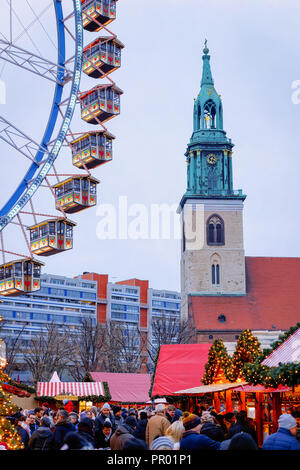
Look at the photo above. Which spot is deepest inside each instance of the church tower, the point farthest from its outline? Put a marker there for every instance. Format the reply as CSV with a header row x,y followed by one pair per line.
x,y
212,252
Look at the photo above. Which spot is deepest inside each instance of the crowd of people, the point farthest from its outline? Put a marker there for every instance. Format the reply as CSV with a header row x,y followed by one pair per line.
x,y
164,428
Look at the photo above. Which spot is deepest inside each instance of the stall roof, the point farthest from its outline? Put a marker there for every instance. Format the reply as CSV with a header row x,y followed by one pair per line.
x,y
131,388
237,387
260,388
81,389
288,351
179,366
209,388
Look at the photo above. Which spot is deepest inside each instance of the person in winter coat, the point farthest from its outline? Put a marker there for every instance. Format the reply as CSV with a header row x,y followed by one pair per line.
x,y
117,411
102,436
41,438
62,427
68,404
174,432
241,425
135,444
105,413
192,439
242,441
73,441
210,428
296,415
170,413
123,433
140,431
22,431
177,415
33,426
85,430
157,425
284,438
74,419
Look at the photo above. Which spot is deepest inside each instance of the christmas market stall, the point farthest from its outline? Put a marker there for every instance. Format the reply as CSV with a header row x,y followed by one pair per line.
x,y
127,390
178,366
80,395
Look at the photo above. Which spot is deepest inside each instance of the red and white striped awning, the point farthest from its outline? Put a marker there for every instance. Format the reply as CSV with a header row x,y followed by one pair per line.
x,y
288,351
80,389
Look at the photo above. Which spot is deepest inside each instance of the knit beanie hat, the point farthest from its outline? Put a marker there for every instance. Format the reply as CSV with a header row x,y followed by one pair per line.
x,y
191,421
162,442
107,423
287,421
106,405
131,421
116,409
206,417
46,422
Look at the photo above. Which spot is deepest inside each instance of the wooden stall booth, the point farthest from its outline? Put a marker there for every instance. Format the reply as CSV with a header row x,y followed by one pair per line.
x,y
83,395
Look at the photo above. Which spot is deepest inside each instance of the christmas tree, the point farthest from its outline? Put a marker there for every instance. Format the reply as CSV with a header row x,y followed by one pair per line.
x,y
247,351
218,362
8,433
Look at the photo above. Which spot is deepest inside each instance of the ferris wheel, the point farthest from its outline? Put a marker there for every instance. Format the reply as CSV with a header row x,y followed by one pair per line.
x,y
43,224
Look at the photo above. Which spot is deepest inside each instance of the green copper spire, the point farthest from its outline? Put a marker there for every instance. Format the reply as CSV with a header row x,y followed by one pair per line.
x,y
206,75
209,152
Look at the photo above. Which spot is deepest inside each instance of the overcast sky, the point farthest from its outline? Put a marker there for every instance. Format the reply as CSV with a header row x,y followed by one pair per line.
x,y
254,48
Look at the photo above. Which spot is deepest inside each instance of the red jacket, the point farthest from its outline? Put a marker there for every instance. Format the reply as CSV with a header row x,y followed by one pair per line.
x,y
69,407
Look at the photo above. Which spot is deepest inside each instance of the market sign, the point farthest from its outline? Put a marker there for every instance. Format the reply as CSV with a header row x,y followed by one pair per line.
x,y
66,397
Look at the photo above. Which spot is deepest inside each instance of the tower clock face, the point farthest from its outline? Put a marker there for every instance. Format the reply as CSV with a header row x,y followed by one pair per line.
x,y
211,159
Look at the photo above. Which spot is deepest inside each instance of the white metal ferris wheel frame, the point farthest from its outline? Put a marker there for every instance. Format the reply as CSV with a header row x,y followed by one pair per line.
x,y
42,158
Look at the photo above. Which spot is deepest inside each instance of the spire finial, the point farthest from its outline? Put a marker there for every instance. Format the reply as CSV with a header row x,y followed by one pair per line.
x,y
205,50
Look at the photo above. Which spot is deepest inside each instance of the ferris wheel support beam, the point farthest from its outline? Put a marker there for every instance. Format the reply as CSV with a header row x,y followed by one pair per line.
x,y
10,133
31,62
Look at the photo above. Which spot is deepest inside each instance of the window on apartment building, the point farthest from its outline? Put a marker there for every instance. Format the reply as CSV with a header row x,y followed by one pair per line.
x,y
222,318
157,303
88,295
132,308
171,305
118,307
88,285
40,316
55,291
131,291
57,281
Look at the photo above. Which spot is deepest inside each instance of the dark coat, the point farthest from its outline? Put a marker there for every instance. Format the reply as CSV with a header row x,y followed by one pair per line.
x,y
240,427
86,436
101,441
62,428
281,440
140,431
99,421
213,431
191,440
41,439
24,436
33,427
122,434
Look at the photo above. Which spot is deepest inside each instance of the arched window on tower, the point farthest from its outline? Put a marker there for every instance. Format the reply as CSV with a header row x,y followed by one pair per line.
x,y
215,230
215,274
209,115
